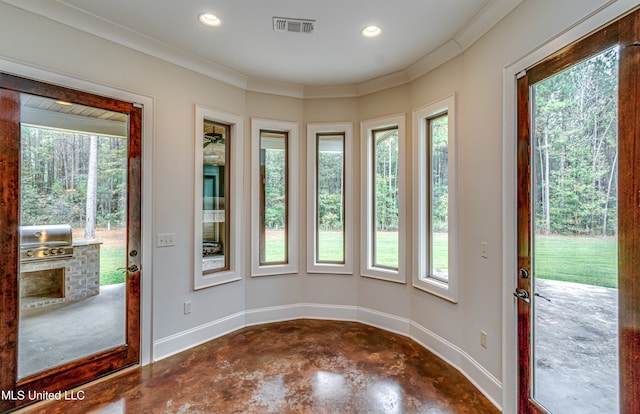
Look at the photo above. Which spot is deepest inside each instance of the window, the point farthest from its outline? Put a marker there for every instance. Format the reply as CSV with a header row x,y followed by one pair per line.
x,y
329,200
435,196
218,197
384,197
215,210
274,190
273,197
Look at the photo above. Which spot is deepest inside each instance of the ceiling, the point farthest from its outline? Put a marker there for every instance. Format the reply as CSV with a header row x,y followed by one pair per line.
x,y
417,36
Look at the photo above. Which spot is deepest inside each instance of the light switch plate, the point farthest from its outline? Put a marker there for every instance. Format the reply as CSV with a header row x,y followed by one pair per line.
x,y
166,239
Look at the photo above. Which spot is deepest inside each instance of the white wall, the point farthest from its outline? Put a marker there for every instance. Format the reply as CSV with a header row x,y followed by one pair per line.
x,y
476,76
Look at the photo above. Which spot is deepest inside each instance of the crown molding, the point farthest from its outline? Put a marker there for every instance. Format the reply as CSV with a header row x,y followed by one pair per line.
x,y
66,14
384,82
490,15
78,19
291,90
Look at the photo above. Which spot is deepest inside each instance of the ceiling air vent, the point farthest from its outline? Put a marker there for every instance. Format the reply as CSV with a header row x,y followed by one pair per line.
x,y
285,24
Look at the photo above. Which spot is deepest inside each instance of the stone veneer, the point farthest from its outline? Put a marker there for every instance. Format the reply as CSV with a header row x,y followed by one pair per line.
x,y
81,275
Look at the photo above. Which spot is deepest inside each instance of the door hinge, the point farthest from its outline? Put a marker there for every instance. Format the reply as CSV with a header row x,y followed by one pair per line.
x,y
521,74
137,105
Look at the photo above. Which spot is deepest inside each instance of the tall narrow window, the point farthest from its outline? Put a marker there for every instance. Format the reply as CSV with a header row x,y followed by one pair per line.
x,y
438,157
383,195
215,190
329,198
218,198
434,201
385,198
273,197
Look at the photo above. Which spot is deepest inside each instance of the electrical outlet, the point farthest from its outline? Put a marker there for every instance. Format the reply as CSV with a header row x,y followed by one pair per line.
x,y
483,339
166,239
187,307
484,250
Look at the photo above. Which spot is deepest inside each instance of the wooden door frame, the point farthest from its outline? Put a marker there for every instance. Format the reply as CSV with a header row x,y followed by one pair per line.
x,y
624,32
78,372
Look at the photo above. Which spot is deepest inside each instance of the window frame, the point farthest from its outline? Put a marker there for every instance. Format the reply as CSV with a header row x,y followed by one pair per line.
x,y
367,267
262,202
234,202
313,264
422,279
291,129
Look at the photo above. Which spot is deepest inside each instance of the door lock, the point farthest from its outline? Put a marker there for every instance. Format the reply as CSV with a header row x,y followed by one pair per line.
x,y
131,270
522,294
524,273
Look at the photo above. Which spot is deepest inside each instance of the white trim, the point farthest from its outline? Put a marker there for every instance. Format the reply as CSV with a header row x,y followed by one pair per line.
x,y
366,135
482,379
386,321
608,12
312,265
74,17
294,190
148,251
174,344
421,279
236,122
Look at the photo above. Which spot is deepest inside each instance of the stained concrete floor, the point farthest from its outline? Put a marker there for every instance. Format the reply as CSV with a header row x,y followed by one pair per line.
x,y
57,334
576,344
300,366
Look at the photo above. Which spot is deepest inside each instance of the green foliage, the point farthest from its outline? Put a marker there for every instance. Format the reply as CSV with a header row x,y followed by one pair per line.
x,y
386,180
575,135
275,195
330,191
54,167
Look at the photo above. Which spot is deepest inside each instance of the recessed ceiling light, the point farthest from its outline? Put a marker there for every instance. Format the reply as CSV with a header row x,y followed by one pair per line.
x,y
371,31
209,19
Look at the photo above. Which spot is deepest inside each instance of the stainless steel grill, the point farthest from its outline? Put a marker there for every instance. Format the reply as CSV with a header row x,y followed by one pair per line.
x,y
45,242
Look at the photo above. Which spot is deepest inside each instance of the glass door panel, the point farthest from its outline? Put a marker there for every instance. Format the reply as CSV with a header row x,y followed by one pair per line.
x,y
73,218
574,296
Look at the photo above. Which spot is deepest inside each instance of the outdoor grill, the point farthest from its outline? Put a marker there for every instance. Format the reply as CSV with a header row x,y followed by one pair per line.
x,y
45,242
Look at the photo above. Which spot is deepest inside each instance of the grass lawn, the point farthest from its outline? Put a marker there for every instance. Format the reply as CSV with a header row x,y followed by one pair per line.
x,y
112,258
588,260
331,247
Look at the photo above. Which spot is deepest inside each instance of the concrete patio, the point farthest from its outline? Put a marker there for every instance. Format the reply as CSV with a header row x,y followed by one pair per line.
x,y
62,333
576,348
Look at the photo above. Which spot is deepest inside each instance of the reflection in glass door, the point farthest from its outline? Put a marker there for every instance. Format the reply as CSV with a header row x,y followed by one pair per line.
x,y
73,216
574,296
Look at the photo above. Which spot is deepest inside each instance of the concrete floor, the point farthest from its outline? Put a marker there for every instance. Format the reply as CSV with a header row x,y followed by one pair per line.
x,y
59,334
576,342
293,367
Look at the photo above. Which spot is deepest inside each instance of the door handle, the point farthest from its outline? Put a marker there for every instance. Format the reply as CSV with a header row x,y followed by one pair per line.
x,y
131,270
522,294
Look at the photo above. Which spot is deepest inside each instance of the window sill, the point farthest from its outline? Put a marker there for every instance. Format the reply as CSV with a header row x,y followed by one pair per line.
x,y
436,288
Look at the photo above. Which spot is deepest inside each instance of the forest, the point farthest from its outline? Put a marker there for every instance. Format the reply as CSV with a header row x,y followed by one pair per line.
x,y
56,167
576,157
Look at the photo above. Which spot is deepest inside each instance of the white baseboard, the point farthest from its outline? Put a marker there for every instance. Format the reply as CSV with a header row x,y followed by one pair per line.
x,y
330,312
184,340
490,386
384,321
